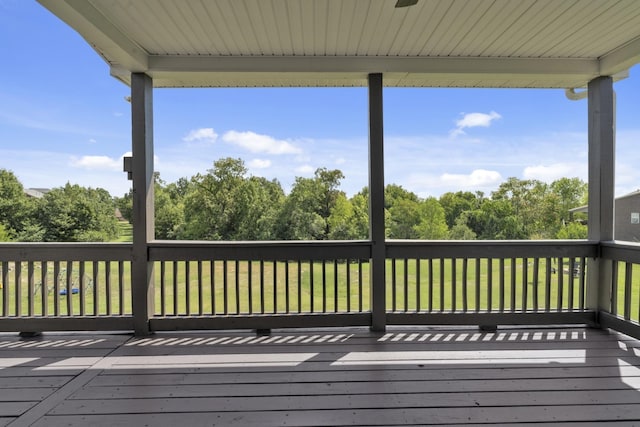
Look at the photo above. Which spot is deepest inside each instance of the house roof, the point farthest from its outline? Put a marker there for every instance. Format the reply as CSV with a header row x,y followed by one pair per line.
x,y
585,208
435,43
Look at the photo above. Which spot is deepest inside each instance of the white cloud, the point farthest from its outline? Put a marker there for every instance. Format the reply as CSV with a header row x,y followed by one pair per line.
x,y
305,169
259,163
257,143
340,161
549,173
92,141
95,163
471,120
206,135
477,178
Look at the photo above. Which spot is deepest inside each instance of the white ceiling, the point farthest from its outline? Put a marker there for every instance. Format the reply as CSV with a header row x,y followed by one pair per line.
x,y
436,43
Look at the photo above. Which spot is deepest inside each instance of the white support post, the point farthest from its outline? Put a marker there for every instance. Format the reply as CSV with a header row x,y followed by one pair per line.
x,y
143,200
376,204
601,187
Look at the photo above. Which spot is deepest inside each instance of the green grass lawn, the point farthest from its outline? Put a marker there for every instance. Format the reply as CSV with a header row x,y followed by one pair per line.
x,y
125,232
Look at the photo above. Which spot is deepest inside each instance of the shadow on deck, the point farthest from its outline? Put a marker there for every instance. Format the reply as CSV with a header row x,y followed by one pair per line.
x,y
408,376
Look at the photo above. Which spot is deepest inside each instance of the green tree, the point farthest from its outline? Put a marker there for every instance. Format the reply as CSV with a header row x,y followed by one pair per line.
x,y
225,204
169,210
403,208
77,214
495,220
306,210
4,235
432,225
454,204
16,208
573,230
460,230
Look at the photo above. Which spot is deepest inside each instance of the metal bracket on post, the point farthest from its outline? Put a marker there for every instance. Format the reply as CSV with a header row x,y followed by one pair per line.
x,y
128,167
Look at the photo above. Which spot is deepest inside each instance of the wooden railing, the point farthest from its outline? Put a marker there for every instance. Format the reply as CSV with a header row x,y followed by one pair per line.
x,y
622,289
258,285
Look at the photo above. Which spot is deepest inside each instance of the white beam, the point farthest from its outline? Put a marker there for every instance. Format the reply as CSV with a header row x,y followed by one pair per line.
x,y
534,67
621,59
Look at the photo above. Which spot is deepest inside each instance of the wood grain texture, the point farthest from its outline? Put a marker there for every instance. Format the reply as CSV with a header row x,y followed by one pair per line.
x,y
412,376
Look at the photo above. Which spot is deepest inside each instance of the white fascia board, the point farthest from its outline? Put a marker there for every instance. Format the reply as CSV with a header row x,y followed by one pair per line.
x,y
110,43
412,71
386,64
621,59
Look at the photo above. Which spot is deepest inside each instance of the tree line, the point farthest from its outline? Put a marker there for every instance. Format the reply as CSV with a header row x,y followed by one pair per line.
x,y
226,203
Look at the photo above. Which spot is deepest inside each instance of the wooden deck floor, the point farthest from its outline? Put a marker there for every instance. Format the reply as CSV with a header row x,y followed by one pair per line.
x,y
322,378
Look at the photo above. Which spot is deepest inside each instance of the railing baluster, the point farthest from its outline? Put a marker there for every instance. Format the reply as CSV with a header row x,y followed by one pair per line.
x,y
108,287
582,282
405,285
286,287
262,308
465,290
56,288
18,289
237,279
212,285
628,270
525,283
418,303
96,288
347,265
5,288
502,285
614,288
547,285
176,293
69,288
250,285
312,296
324,286
163,283
441,285
360,281
489,284
430,286
571,278
275,287
44,288
120,286
560,283
30,288
478,285
393,285
200,289
536,272
335,286
187,287
225,286
299,286
513,285
454,285
82,284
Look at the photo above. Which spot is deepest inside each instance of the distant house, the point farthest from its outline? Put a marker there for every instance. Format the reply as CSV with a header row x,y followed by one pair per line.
x,y
36,193
627,217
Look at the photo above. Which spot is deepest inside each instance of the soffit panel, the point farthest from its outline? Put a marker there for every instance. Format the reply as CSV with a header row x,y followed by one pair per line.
x,y
491,29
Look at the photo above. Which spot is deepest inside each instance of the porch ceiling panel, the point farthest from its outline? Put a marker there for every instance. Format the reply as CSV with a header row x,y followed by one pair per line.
x,y
452,43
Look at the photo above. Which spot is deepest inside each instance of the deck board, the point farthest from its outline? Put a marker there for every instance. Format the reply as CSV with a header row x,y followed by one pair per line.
x,y
407,377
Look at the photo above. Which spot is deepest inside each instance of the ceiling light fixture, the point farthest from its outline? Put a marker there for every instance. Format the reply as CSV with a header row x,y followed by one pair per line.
x,y
405,3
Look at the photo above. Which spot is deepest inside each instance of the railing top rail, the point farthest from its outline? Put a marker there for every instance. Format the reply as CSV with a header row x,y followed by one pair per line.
x,y
621,251
265,250
491,248
38,251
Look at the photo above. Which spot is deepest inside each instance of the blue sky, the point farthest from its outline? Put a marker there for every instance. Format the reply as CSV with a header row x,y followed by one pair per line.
x,y
64,119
